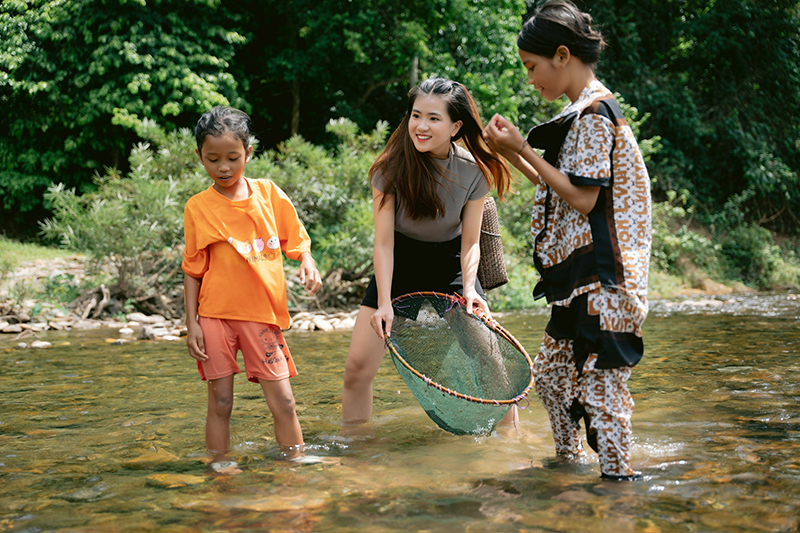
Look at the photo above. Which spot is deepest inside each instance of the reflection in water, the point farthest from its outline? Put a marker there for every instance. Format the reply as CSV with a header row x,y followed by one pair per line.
x,y
95,437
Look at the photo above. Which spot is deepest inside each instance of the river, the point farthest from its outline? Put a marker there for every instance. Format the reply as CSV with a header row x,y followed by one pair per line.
x,y
98,437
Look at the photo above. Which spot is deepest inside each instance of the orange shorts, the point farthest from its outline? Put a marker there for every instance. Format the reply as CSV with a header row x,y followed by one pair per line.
x,y
263,347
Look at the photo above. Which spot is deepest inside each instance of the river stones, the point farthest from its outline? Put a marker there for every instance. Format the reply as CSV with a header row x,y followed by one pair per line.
x,y
172,481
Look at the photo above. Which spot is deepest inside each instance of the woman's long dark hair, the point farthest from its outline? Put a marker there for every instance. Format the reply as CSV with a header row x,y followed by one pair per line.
x,y
412,175
560,23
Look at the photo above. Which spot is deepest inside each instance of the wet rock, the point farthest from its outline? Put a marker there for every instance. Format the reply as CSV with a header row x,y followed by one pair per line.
x,y
3,324
145,319
171,481
126,332
12,328
153,332
278,504
574,496
86,324
22,345
264,505
86,494
40,344
151,457
321,324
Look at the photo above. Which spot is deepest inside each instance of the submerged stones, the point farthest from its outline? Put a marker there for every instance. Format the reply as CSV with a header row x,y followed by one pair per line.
x,y
172,481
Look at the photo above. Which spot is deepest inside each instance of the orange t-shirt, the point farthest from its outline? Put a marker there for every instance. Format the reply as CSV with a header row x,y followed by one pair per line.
x,y
235,247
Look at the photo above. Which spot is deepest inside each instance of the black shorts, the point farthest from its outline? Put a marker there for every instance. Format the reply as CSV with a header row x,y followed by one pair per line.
x,y
423,266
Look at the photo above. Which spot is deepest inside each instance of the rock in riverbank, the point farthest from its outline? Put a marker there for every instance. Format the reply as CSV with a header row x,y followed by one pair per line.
x,y
23,318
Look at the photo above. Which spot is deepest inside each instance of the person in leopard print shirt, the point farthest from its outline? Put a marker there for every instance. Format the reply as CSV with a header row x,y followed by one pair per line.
x,y
591,226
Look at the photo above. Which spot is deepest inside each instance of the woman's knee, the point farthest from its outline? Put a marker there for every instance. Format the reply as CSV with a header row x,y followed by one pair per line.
x,y
359,371
353,368
363,360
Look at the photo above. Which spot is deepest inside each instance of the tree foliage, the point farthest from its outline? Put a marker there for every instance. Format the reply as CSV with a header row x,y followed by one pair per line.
x,y
719,81
134,223
66,65
722,82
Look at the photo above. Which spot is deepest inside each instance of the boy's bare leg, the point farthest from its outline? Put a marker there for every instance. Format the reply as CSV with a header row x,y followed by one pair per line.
x,y
218,417
363,361
280,401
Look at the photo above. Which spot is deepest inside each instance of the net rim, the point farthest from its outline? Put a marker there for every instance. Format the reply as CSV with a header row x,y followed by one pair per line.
x,y
493,325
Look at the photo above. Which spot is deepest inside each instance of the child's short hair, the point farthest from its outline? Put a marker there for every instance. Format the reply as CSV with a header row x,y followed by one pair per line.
x,y
221,120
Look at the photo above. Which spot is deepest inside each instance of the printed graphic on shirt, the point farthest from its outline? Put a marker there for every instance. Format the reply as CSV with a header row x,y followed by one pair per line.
x,y
245,248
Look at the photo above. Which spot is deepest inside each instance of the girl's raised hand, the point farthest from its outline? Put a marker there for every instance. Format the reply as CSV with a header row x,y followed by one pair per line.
x,y
503,136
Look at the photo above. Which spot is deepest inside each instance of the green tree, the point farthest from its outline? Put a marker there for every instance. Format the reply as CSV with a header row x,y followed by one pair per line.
x,y
66,65
722,82
309,61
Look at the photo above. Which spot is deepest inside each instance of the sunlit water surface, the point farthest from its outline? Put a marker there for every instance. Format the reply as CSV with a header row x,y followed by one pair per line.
x,y
96,437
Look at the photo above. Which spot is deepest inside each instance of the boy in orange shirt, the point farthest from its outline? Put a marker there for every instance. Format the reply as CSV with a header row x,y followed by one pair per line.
x,y
234,285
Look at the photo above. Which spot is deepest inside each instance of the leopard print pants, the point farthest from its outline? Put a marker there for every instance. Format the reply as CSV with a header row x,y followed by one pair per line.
x,y
602,392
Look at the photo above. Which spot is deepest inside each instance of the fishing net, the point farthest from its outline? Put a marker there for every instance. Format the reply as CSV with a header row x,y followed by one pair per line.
x,y
465,370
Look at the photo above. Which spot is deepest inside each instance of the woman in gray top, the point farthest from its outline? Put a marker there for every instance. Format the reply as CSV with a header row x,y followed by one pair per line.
x,y
428,203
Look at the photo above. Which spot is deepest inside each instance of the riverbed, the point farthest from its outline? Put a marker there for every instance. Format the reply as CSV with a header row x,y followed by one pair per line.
x,y
101,437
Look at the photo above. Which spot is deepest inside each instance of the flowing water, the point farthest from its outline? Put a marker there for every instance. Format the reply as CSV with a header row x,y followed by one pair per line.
x,y
102,438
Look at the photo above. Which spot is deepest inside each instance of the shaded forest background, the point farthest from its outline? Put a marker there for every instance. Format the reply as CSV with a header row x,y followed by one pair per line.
x,y
713,89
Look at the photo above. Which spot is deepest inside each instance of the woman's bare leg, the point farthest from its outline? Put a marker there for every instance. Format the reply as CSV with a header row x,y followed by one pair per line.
x,y
363,361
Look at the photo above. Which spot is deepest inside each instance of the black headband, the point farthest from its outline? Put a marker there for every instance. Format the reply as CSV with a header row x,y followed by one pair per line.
x,y
542,37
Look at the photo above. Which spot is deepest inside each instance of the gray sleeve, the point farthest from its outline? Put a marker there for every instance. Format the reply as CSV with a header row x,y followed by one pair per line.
x,y
379,181
480,187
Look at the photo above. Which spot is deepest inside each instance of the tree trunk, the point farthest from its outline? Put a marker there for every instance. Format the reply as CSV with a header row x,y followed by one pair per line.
x,y
295,106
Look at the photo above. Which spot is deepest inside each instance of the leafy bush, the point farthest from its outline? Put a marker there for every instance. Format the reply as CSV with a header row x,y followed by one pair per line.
x,y
322,184
754,257
134,223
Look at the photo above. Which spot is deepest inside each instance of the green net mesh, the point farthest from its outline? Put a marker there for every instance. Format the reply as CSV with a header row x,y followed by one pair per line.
x,y
466,371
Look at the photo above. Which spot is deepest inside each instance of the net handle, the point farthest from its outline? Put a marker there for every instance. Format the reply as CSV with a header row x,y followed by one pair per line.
x,y
491,323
